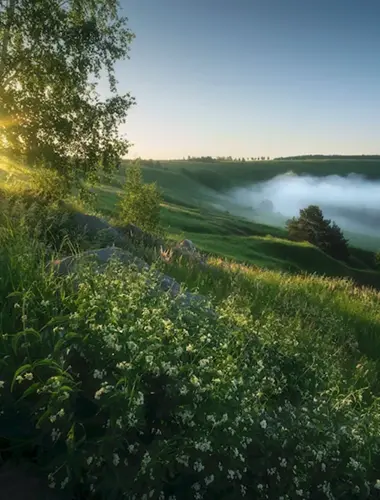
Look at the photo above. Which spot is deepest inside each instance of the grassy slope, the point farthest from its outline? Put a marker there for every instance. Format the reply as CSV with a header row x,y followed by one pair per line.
x,y
187,213
303,351
191,188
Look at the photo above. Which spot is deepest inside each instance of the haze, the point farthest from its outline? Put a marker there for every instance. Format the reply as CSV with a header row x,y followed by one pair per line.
x,y
352,201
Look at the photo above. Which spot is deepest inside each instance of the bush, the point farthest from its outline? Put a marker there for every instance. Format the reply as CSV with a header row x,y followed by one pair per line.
x,y
311,226
140,203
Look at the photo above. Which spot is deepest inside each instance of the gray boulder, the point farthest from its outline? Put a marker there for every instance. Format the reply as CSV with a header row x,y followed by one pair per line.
x,y
102,256
187,246
95,227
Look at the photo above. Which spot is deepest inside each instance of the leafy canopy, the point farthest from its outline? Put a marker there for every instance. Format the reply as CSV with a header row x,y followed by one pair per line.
x,y
53,54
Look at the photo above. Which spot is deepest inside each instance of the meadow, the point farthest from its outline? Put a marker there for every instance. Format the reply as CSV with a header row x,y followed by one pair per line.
x,y
110,388
192,191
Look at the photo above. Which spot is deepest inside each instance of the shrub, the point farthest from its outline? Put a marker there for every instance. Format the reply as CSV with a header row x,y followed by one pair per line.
x,y
140,202
311,226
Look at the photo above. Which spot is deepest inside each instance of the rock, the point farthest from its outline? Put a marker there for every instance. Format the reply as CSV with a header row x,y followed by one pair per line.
x,y
93,225
188,250
102,256
168,283
187,246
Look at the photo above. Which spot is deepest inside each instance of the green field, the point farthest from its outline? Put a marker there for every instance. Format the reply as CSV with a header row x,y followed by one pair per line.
x,y
193,190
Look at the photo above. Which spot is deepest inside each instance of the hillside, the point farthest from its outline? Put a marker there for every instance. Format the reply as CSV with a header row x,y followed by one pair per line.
x,y
267,386
193,191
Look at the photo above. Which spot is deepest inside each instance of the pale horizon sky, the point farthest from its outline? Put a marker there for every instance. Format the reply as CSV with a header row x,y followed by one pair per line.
x,y
252,77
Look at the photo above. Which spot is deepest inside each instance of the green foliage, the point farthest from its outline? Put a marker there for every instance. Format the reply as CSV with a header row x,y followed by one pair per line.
x,y
52,55
115,388
140,202
311,226
48,184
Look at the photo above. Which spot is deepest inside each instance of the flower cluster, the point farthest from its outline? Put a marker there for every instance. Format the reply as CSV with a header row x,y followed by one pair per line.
x,y
155,397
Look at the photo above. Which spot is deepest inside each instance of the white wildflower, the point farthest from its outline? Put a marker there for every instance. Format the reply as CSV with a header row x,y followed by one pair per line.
x,y
131,448
99,393
64,483
89,460
354,463
178,352
299,493
115,459
203,446
263,424
190,348
149,359
55,434
209,479
283,462
99,374
198,466
196,486
140,399
377,484
2,384
230,474
243,490
183,460
52,483
132,346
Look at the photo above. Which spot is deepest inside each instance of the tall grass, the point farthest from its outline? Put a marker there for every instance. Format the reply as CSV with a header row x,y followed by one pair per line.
x,y
115,389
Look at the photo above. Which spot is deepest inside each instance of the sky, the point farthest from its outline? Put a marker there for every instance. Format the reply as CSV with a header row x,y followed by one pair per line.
x,y
252,77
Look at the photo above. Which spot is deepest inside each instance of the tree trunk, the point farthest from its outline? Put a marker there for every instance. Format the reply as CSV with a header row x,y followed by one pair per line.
x,y
10,9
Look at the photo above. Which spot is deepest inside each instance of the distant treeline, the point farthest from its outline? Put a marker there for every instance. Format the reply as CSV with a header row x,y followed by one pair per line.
x,y
215,159
330,157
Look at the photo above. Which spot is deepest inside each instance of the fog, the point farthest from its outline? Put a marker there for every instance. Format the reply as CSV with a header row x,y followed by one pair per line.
x,y
353,202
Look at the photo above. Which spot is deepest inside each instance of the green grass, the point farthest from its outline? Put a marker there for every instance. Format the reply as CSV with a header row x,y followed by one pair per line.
x,y
191,191
111,386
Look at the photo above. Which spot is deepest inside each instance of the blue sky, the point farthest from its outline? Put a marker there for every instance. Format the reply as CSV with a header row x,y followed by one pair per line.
x,y
253,77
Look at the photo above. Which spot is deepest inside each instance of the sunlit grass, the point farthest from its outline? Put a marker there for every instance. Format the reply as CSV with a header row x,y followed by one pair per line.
x,y
13,175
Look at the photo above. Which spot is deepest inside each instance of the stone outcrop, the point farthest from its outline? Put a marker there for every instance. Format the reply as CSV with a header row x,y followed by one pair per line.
x,y
103,256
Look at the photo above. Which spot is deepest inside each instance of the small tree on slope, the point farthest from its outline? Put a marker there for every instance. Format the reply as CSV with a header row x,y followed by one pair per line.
x,y
140,202
311,226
